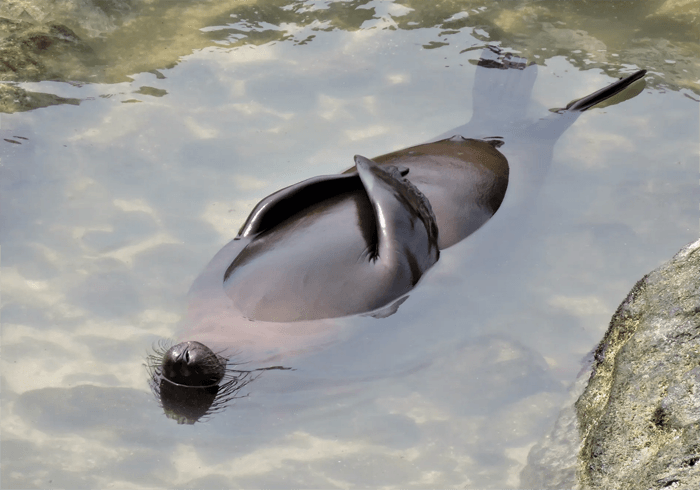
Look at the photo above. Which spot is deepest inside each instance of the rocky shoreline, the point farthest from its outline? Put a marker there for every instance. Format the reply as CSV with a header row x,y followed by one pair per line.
x,y
636,423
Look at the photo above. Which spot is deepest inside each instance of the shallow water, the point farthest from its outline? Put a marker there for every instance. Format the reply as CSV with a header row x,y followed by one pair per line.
x,y
112,207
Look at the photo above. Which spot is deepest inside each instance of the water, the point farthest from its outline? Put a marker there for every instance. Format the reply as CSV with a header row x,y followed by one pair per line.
x,y
112,207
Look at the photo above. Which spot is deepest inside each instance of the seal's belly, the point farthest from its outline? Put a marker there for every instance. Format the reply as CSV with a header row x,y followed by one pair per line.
x,y
317,264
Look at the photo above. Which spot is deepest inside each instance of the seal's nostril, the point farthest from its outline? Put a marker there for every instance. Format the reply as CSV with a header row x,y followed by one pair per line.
x,y
187,357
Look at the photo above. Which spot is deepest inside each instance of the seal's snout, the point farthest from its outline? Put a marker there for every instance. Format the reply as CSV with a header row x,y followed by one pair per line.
x,y
193,364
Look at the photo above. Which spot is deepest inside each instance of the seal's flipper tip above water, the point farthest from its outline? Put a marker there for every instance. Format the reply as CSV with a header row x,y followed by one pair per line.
x,y
406,226
551,127
605,93
277,207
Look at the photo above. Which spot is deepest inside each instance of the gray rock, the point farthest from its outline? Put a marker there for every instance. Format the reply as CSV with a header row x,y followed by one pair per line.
x,y
92,18
637,423
552,462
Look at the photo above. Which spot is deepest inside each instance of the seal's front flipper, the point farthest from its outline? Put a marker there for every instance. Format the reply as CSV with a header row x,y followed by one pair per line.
x,y
406,228
277,207
605,93
286,202
554,125
388,310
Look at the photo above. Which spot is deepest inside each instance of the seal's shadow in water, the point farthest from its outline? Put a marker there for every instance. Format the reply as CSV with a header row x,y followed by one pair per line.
x,y
358,242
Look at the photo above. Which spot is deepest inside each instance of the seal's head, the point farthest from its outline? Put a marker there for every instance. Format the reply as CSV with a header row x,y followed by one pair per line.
x,y
192,364
191,381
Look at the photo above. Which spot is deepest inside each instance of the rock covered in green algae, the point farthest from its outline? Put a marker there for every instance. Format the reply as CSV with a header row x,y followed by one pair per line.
x,y
637,423
42,52
134,36
16,99
639,416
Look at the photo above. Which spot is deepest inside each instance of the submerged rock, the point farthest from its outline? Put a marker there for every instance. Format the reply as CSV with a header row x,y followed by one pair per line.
x,y
637,423
16,99
50,51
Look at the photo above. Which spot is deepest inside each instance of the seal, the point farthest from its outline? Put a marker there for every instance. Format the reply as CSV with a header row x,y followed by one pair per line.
x,y
317,252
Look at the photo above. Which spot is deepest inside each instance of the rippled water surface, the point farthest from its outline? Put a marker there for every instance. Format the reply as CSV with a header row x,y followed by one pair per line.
x,y
155,150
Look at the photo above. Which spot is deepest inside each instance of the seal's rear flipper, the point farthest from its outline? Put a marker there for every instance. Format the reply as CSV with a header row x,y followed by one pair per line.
x,y
605,93
502,87
501,94
406,226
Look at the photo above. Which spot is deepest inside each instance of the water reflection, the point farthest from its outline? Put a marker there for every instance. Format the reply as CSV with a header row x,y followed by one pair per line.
x,y
109,42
